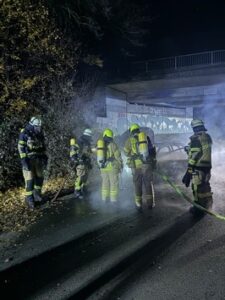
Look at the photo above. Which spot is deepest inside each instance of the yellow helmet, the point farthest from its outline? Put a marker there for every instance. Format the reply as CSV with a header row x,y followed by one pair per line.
x,y
134,127
196,123
108,132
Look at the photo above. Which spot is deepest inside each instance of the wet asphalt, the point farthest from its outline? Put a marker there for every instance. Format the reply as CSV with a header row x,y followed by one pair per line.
x,y
84,249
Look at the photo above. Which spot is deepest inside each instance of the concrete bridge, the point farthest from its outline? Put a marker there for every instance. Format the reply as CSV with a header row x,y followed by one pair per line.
x,y
166,94
188,80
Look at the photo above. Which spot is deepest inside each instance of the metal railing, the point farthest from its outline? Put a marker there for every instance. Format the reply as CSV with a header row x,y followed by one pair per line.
x,y
177,62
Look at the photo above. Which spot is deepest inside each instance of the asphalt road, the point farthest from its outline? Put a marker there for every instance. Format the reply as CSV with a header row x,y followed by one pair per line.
x,y
83,249
192,266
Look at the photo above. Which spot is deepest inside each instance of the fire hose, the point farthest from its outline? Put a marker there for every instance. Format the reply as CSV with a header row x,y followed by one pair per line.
x,y
184,196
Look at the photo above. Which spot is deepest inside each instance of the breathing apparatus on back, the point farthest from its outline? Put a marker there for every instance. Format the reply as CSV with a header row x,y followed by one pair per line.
x,y
143,146
101,153
142,142
102,147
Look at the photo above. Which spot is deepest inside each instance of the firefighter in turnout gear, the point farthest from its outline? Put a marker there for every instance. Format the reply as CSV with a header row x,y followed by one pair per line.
x,y
34,160
80,155
141,158
199,165
111,165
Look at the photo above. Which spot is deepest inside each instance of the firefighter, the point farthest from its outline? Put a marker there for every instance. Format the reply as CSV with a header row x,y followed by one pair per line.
x,y
199,166
141,158
80,154
110,163
32,151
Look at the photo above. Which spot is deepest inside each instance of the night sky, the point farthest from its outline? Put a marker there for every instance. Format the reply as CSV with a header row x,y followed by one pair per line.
x,y
182,27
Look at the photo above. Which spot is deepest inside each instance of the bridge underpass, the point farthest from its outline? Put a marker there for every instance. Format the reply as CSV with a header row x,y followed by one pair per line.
x,y
88,250
188,91
195,87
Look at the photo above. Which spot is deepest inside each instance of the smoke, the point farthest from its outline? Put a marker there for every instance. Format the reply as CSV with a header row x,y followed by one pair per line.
x,y
172,159
125,197
213,110
218,179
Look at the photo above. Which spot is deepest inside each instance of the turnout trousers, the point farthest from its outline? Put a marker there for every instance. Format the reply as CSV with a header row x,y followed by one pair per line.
x,y
110,185
34,179
201,188
142,179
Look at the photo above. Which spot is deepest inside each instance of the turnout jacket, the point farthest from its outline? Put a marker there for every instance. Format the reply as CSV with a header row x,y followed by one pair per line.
x,y
81,150
200,148
31,144
132,152
113,158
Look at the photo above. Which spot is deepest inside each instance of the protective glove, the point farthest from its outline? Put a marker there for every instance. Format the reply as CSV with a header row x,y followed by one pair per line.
x,y
72,164
81,162
110,159
25,164
102,164
130,163
186,149
74,159
187,177
136,156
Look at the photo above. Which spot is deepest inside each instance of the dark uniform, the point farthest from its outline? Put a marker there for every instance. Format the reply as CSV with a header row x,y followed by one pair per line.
x,y
80,153
199,165
32,149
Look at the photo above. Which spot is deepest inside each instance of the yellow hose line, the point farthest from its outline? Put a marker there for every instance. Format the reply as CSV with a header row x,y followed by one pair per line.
x,y
183,195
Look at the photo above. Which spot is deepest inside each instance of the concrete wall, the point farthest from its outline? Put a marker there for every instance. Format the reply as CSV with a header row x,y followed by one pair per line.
x,y
120,114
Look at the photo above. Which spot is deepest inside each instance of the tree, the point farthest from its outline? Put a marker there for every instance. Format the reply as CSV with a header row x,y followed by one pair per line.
x,y
42,44
109,29
34,55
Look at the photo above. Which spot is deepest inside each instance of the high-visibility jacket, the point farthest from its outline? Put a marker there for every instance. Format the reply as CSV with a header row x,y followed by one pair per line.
x,y
113,158
81,150
31,144
131,150
200,148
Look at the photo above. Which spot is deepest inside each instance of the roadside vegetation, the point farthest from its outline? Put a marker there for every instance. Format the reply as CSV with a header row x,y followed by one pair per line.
x,y
52,57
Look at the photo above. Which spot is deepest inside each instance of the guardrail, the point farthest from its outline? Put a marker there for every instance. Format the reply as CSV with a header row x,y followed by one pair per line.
x,y
177,62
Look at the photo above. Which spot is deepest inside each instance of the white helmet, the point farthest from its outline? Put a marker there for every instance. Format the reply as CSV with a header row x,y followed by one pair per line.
x,y
196,123
87,132
35,121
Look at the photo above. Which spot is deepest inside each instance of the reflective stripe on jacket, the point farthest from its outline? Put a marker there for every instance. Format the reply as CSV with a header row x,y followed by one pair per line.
x,y
131,149
199,154
30,144
113,158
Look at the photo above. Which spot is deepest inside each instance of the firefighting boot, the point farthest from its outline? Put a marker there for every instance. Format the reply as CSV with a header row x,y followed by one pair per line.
x,y
150,203
30,201
209,202
78,194
37,196
139,208
196,212
138,203
114,205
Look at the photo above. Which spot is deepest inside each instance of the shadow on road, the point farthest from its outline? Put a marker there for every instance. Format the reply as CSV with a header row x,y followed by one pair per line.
x,y
138,262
